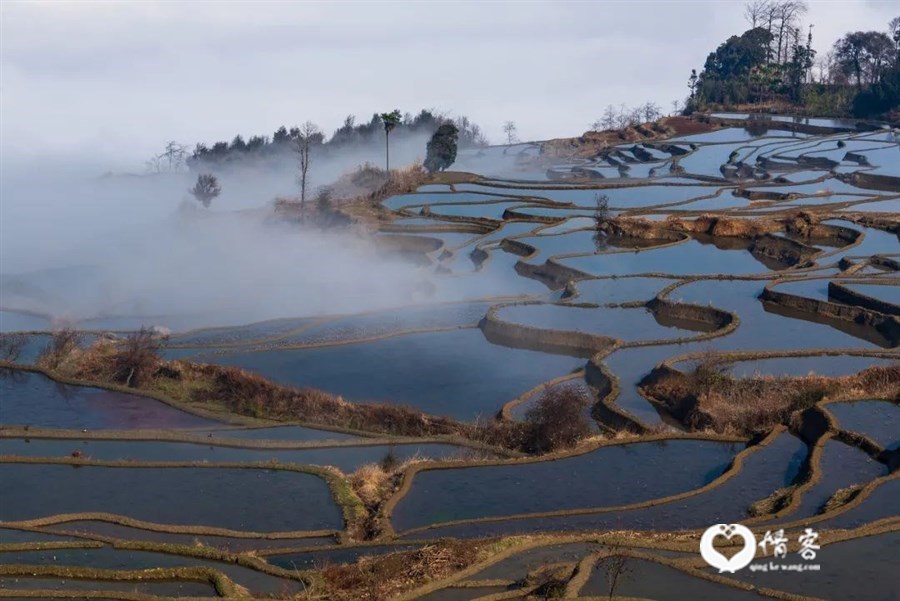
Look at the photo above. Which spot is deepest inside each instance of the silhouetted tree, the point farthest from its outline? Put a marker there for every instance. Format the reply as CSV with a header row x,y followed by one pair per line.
x,y
650,111
281,136
306,136
206,188
174,155
238,144
440,152
509,128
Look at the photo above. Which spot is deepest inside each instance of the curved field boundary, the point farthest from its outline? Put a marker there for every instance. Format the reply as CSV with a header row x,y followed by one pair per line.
x,y
506,411
843,294
733,469
610,416
222,584
815,426
887,326
350,505
367,439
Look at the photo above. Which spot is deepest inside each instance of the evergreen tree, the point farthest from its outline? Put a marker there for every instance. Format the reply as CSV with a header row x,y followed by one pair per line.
x,y
441,150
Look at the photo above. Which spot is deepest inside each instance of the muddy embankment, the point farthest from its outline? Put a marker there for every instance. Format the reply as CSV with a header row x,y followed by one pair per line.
x,y
591,143
885,328
841,293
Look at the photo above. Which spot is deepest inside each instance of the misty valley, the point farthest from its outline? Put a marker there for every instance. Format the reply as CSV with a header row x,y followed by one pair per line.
x,y
546,361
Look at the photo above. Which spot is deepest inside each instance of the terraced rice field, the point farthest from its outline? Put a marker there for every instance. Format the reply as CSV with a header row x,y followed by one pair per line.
x,y
522,288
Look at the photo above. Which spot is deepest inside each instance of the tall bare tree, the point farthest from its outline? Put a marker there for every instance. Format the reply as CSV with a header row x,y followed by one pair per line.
x,y
174,155
756,12
509,128
303,143
787,15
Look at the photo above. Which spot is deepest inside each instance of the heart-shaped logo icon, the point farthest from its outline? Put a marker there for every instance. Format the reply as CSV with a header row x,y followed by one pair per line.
x,y
739,560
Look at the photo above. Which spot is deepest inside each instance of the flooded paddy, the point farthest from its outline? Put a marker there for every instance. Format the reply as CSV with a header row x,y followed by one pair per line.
x,y
844,566
764,471
879,420
841,466
346,459
626,324
609,476
166,589
35,400
456,373
651,580
238,499
687,258
113,559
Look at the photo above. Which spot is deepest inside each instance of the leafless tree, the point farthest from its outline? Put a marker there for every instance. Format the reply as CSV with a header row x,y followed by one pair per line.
x,y
174,155
786,14
756,12
154,164
509,128
607,121
303,143
617,569
650,111
676,107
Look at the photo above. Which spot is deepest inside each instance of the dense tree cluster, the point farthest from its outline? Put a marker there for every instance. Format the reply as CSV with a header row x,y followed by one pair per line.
x,y
773,61
351,134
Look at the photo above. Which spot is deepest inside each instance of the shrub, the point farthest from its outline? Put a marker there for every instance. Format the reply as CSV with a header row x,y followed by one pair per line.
x,y
323,199
558,420
62,344
136,358
206,188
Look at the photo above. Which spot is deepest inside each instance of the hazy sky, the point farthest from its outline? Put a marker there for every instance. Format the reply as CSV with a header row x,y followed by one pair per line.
x,y
116,80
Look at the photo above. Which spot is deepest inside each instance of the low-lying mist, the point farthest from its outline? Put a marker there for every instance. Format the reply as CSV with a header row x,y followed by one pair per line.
x,y
77,246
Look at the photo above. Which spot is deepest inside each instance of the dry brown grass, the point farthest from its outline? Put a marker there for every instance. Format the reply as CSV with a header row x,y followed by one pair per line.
x,y
592,142
376,578
369,482
246,393
708,398
841,497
